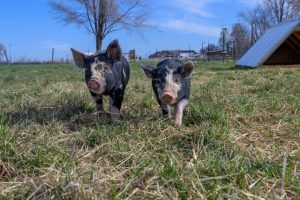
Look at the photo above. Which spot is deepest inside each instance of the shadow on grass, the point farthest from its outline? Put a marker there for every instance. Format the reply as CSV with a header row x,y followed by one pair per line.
x,y
233,68
73,116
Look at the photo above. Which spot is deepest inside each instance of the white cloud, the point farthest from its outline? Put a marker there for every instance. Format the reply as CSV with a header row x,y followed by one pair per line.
x,y
56,45
250,3
192,27
200,7
195,7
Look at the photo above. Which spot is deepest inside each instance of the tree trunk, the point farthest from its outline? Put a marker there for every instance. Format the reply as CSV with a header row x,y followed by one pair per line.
x,y
99,40
100,20
5,53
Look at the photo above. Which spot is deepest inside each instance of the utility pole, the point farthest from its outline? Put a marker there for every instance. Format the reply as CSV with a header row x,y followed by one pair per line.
x,y
200,51
10,54
52,55
207,51
204,51
223,44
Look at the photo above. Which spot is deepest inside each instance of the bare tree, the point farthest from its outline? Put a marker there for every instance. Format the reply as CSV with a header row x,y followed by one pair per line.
x,y
281,10
3,52
258,20
241,37
224,39
2,49
102,17
296,8
269,13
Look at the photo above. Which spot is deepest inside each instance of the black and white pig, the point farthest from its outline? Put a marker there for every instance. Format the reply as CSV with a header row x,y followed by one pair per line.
x,y
106,73
171,84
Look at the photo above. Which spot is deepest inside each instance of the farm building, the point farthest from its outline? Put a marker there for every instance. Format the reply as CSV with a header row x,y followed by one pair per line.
x,y
180,54
216,54
280,45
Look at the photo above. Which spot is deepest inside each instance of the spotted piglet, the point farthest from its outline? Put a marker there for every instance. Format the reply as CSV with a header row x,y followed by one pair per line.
x,y
106,73
171,84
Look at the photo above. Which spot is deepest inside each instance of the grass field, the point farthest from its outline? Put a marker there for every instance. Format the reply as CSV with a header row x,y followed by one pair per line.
x,y
240,137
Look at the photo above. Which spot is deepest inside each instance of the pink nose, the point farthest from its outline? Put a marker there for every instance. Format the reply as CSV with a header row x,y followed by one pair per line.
x,y
93,84
167,97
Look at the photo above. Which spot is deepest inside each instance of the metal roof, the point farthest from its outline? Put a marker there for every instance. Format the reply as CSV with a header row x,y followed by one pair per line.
x,y
268,43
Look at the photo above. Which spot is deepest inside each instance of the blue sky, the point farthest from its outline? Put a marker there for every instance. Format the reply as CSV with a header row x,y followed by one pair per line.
x,y
29,29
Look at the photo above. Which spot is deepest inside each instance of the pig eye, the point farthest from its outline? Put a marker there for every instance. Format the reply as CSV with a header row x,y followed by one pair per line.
x,y
105,67
97,67
176,80
157,81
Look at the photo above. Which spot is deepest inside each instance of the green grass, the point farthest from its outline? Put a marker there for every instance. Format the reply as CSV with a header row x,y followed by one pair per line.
x,y
239,140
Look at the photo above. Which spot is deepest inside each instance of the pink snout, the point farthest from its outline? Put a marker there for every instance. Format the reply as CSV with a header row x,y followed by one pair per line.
x,y
167,97
94,84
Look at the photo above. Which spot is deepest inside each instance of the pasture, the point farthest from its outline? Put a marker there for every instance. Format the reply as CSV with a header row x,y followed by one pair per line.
x,y
240,137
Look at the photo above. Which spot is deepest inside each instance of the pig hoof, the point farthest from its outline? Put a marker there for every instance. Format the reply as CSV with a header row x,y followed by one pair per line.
x,y
178,124
99,113
115,118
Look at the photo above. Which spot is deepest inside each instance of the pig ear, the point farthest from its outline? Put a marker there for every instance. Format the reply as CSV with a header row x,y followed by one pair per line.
x,y
79,58
187,69
114,51
148,70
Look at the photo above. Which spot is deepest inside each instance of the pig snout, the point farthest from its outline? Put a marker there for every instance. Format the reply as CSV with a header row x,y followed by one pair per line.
x,y
94,84
167,97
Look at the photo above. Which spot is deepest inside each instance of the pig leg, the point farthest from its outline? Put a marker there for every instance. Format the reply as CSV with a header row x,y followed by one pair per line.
x,y
164,108
114,111
179,111
115,102
99,102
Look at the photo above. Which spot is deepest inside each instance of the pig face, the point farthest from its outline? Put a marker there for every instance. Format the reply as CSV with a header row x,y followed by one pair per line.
x,y
170,82
99,67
